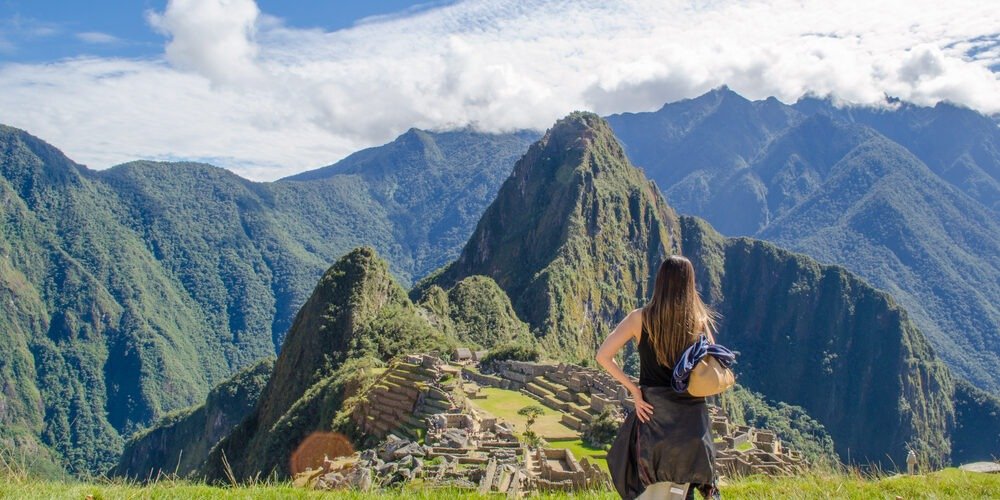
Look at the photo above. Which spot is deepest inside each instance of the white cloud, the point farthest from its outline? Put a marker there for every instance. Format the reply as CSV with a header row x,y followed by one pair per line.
x,y
241,88
211,37
97,38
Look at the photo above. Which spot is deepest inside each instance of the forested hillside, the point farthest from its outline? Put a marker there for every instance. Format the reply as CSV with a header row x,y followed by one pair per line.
x,y
904,196
131,292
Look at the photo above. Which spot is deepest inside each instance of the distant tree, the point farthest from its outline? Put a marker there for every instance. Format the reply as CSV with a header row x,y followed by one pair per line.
x,y
531,413
516,352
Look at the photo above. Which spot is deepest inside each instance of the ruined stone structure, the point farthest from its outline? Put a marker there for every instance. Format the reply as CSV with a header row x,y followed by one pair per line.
x,y
580,394
461,446
411,389
558,469
744,450
421,397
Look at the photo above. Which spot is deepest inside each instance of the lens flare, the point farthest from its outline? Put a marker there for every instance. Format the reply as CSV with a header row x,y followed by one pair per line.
x,y
317,447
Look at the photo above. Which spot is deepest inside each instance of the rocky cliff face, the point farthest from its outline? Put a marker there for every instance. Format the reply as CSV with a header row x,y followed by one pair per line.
x,y
572,237
976,436
181,441
818,337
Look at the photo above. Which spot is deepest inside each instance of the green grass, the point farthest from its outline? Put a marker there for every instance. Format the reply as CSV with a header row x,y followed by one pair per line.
x,y
949,483
744,446
504,404
580,450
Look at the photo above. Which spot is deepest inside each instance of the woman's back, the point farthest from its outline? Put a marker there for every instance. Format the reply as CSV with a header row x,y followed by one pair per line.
x,y
651,372
668,437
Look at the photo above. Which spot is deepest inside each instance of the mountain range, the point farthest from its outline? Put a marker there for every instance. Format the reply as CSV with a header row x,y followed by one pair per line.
x,y
131,292
581,217
905,196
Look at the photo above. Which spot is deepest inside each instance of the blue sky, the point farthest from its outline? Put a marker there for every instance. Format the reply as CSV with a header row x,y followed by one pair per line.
x,y
46,30
268,88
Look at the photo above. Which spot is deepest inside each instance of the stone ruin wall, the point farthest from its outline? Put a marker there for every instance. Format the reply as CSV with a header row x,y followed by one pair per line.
x,y
463,447
580,394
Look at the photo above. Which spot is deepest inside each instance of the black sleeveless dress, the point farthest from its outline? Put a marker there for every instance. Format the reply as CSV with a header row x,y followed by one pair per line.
x,y
675,445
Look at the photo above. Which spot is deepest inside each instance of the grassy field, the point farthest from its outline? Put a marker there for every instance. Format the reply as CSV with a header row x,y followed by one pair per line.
x,y
949,483
505,405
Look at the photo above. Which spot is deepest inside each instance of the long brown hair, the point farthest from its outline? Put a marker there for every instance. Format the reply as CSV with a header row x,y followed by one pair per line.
x,y
675,316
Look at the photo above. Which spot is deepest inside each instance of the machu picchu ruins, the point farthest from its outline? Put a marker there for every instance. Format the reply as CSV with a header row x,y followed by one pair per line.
x,y
423,418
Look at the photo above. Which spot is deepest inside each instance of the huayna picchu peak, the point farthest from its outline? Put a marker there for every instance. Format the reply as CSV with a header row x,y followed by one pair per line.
x,y
573,236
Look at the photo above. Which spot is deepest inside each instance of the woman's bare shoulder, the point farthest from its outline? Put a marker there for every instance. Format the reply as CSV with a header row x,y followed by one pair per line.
x,y
634,322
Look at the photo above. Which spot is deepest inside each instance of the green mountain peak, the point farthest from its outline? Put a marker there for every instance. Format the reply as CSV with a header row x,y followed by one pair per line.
x,y
572,237
357,313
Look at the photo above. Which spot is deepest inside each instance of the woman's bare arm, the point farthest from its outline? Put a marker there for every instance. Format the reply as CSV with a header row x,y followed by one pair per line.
x,y
629,328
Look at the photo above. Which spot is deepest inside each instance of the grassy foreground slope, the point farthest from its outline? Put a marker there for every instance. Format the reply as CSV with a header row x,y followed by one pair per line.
x,y
948,483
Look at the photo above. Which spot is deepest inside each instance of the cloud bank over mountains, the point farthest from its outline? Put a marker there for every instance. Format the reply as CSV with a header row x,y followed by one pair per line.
x,y
241,89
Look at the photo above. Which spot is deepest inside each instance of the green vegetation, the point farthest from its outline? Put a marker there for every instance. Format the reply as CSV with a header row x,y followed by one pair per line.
x,y
477,312
601,431
180,442
793,425
516,352
128,293
976,435
505,404
949,483
572,237
530,414
907,199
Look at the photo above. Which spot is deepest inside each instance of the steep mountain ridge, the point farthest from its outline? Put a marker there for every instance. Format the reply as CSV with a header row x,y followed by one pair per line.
x,y
819,337
432,187
685,146
958,144
941,247
98,319
573,237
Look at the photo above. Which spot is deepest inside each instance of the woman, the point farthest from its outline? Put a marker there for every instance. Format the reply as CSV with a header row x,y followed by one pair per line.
x,y
667,439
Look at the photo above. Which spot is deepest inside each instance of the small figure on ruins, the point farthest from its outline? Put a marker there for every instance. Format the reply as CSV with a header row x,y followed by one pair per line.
x,y
911,463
